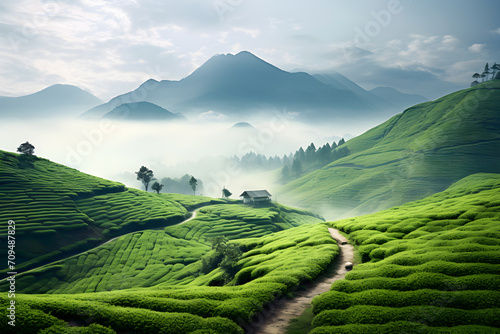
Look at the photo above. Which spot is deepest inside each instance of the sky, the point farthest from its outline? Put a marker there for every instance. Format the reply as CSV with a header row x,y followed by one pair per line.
x,y
110,47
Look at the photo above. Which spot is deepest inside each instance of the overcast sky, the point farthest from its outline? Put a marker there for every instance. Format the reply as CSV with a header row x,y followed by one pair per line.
x,y
111,47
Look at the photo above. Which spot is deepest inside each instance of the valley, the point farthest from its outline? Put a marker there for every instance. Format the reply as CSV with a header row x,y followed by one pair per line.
x,y
422,196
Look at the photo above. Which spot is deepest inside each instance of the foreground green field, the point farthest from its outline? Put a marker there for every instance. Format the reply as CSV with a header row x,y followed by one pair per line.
x,y
271,267
430,266
412,155
171,255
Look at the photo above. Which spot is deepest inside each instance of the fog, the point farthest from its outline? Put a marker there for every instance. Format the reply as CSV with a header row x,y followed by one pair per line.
x,y
115,149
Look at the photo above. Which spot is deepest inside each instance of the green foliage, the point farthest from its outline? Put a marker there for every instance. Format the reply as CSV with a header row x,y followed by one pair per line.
x,y
65,329
411,156
271,266
157,187
193,183
431,265
145,175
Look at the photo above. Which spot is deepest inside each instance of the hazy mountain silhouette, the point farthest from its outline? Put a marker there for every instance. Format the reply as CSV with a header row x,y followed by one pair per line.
x,y
243,83
54,101
141,111
339,81
402,100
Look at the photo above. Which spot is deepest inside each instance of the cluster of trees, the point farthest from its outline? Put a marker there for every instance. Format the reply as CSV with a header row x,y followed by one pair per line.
x,y
183,185
252,162
493,70
311,159
146,176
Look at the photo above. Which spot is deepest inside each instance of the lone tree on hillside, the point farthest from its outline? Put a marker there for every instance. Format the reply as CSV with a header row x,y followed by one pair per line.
x,y
157,187
226,193
194,184
26,148
145,175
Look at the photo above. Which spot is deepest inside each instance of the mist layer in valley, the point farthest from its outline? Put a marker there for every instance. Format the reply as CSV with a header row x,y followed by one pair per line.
x,y
204,147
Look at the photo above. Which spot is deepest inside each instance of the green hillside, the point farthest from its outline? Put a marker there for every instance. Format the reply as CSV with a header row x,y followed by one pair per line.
x,y
412,155
157,272
430,266
59,211
270,268
172,255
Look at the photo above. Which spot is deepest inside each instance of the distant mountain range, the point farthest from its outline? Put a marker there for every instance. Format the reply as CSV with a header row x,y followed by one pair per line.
x,y
232,85
53,101
401,100
412,155
243,83
141,111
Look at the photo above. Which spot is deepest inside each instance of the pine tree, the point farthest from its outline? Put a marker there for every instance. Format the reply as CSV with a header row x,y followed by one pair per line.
x,y
285,173
296,167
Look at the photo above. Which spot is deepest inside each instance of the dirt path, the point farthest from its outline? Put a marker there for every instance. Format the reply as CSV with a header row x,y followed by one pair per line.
x,y
278,317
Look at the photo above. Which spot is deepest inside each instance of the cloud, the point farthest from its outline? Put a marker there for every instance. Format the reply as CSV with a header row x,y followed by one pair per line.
x,y
477,47
496,31
212,116
254,33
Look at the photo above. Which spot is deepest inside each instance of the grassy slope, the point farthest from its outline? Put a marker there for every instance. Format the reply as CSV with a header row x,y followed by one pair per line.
x,y
430,266
147,258
176,297
271,267
412,155
59,210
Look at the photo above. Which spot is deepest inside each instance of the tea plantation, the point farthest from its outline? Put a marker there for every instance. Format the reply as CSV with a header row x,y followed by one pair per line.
x,y
430,266
147,258
60,211
271,267
150,276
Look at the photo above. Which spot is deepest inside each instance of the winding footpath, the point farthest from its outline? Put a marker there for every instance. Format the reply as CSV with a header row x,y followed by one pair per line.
x,y
277,319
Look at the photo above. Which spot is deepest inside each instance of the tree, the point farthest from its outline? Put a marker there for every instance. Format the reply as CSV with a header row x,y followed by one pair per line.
x,y
157,187
341,142
26,148
226,257
193,183
311,149
145,175
494,69
297,167
219,244
285,173
226,193
486,70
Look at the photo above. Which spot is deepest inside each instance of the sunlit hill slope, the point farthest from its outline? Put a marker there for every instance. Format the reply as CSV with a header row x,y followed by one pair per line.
x,y
412,155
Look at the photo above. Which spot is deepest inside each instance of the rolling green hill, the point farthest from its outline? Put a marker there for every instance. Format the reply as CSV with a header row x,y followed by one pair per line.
x,y
153,277
430,266
59,211
171,255
412,155
183,300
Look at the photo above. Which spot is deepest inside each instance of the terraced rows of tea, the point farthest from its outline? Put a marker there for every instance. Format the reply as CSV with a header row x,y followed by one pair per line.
x,y
431,266
60,211
271,267
151,257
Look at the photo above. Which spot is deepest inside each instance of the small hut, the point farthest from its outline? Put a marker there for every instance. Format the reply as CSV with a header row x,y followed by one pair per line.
x,y
255,196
